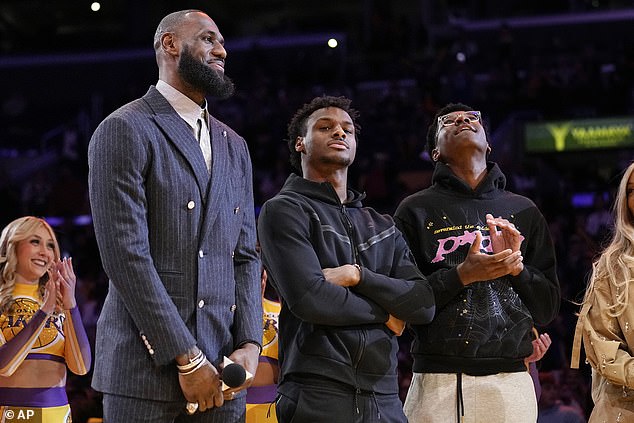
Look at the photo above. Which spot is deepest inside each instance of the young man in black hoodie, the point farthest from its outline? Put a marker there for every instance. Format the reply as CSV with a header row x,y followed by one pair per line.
x,y
345,276
493,279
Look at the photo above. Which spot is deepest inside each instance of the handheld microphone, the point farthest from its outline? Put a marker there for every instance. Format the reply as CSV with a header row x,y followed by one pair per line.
x,y
233,375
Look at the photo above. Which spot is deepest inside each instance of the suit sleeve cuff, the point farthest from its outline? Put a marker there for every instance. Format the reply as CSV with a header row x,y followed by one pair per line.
x,y
250,341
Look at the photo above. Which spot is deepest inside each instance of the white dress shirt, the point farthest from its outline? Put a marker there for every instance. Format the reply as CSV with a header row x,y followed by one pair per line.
x,y
196,116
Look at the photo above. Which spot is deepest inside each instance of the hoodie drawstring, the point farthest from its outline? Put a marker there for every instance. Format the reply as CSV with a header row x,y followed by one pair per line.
x,y
459,399
358,392
376,404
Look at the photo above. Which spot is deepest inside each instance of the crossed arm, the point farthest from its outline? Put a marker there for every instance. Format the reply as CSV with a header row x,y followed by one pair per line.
x,y
343,295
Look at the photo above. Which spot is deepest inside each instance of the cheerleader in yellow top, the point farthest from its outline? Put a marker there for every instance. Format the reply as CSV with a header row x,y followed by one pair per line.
x,y
262,392
41,332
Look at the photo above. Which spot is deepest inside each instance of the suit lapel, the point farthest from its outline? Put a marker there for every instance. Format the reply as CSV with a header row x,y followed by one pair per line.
x,y
180,134
219,162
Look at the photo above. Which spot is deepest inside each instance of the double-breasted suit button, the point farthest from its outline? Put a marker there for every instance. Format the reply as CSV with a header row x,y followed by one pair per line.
x,y
191,205
233,308
201,304
236,210
224,134
200,253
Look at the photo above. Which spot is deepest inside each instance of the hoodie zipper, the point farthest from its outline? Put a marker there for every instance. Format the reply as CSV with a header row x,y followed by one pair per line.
x,y
355,256
350,232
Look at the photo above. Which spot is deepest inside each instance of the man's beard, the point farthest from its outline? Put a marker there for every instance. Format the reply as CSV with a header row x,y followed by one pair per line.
x,y
202,77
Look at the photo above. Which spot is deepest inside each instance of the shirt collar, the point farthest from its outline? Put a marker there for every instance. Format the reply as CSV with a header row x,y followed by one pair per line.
x,y
183,105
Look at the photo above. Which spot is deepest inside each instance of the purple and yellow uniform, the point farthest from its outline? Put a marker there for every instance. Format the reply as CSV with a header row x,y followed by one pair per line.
x,y
260,399
28,333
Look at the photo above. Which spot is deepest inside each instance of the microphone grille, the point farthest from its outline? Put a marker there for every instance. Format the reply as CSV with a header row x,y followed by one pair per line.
x,y
233,375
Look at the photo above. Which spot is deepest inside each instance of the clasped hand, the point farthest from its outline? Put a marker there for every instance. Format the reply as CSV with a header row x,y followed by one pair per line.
x,y
204,386
506,258
59,292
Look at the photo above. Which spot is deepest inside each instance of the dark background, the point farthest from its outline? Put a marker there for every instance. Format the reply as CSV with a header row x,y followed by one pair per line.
x,y
63,68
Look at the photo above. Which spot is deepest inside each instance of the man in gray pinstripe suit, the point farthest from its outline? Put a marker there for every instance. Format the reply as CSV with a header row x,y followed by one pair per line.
x,y
175,226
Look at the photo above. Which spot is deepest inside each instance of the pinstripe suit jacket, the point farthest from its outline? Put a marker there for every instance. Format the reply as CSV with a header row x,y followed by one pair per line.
x,y
177,245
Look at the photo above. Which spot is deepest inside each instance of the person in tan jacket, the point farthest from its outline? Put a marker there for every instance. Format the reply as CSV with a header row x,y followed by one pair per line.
x,y
606,320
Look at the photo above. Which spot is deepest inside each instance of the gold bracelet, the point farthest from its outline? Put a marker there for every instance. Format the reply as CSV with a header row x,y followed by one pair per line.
x,y
193,362
198,366
193,365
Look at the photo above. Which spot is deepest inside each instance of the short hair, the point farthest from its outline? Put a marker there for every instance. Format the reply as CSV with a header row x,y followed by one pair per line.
x,y
169,24
297,126
432,131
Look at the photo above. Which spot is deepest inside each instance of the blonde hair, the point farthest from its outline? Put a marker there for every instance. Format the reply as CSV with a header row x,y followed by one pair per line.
x,y
16,231
615,266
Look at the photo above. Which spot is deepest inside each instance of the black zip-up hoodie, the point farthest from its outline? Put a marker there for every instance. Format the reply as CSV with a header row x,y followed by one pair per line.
x,y
329,332
483,328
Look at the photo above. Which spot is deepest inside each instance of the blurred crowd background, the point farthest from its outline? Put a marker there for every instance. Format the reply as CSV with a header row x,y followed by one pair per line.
x,y
64,68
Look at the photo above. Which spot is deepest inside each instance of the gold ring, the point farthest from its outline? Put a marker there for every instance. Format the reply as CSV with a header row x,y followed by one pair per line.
x,y
192,407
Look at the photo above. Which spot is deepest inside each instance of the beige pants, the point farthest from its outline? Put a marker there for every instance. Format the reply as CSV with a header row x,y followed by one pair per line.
x,y
499,398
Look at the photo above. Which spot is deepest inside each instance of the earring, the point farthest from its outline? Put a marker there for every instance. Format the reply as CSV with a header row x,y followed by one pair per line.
x,y
435,154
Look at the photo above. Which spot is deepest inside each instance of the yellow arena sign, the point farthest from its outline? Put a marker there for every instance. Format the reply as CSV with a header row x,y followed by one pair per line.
x,y
575,135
